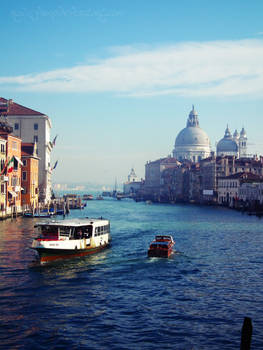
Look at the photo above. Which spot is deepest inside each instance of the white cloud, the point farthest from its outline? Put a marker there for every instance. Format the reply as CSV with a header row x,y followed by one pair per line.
x,y
219,68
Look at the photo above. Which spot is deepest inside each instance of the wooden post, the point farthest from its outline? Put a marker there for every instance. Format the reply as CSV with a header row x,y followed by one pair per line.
x,y
246,334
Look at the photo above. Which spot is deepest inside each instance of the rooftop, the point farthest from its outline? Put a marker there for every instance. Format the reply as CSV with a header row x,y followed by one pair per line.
x,y
17,109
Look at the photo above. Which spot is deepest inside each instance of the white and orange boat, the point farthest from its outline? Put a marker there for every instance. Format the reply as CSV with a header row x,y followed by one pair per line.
x,y
161,247
66,239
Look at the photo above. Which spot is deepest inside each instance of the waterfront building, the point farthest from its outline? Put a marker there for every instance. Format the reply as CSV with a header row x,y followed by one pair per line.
x,y
153,175
175,182
34,127
228,187
133,184
3,177
251,192
213,168
29,179
235,145
12,169
192,143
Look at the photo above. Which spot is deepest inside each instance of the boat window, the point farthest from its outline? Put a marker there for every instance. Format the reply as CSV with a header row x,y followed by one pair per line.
x,y
87,231
49,229
64,231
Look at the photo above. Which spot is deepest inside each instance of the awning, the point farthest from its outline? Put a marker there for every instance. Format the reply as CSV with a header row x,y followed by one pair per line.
x,y
13,194
18,160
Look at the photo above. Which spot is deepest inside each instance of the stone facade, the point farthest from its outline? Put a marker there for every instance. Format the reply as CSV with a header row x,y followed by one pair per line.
x,y
29,176
229,188
168,180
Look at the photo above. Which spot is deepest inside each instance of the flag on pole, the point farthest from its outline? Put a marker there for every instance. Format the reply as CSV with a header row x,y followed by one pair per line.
x,y
10,165
4,168
54,167
54,141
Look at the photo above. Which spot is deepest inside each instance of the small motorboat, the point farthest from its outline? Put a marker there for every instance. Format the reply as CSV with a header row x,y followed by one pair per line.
x,y
161,247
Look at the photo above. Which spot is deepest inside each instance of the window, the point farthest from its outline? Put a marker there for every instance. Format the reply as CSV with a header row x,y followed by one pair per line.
x,y
35,138
24,162
16,126
24,175
2,188
23,191
14,181
14,145
2,164
2,148
35,126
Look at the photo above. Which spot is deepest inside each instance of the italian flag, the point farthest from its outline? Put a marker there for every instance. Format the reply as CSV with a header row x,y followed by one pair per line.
x,y
10,165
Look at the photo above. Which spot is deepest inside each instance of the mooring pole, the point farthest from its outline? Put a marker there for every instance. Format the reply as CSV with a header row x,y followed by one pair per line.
x,y
246,334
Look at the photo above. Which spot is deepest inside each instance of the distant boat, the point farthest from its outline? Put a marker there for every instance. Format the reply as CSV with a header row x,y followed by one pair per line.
x,y
87,197
100,198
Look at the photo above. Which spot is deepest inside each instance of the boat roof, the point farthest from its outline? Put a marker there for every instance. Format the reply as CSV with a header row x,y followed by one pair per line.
x,y
74,222
163,237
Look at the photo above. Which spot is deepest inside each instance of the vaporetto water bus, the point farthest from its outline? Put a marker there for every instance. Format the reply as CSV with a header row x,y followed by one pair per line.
x,y
65,239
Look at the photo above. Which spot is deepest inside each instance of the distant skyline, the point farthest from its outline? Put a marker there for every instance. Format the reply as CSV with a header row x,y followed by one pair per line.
x,y
119,78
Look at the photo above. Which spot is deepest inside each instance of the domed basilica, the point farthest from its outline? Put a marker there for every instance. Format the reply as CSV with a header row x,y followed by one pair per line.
x,y
192,142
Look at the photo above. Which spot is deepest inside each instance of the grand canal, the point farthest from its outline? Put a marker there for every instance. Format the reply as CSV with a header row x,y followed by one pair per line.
x,y
120,299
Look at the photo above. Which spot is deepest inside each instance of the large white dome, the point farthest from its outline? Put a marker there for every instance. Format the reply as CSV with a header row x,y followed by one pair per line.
x,y
192,142
192,136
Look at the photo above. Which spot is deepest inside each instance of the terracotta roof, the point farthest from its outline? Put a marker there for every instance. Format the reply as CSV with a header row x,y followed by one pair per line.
x,y
16,109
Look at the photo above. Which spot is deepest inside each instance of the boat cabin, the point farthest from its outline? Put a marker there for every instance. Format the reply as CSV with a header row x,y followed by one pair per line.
x,y
72,229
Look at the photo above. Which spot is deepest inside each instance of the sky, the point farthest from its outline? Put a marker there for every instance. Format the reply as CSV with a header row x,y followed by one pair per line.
x,y
119,78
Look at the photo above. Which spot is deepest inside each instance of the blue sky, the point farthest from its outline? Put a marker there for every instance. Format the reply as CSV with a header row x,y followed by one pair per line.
x,y
118,78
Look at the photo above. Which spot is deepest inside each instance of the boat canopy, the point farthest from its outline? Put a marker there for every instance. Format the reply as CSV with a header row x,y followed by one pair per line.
x,y
74,222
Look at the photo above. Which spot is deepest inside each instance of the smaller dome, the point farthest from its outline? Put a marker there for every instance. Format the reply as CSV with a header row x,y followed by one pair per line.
x,y
227,145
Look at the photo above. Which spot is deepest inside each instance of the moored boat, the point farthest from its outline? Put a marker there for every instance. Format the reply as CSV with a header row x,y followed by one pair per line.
x,y
161,247
87,197
65,239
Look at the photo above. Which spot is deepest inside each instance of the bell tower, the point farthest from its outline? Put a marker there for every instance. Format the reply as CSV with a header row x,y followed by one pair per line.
x,y
243,144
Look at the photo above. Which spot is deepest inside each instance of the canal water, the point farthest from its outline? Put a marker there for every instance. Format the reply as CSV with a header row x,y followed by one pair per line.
x,y
120,299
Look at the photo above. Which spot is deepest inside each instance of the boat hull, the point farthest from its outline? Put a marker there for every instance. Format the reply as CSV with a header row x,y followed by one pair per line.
x,y
48,255
157,253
